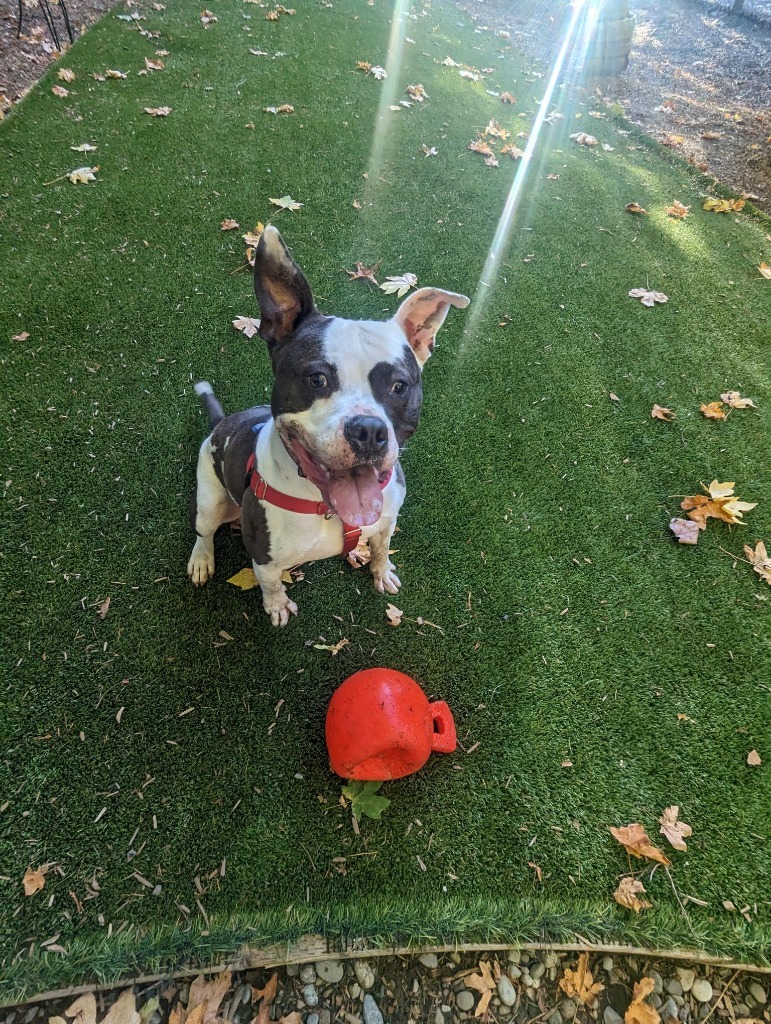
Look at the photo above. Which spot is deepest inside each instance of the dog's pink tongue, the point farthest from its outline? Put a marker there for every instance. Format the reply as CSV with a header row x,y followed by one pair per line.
x,y
356,496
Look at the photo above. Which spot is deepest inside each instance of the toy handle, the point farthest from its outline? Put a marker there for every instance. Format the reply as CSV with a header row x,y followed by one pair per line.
x,y
444,740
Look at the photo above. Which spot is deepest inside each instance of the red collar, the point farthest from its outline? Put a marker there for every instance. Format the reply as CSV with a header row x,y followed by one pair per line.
x,y
264,492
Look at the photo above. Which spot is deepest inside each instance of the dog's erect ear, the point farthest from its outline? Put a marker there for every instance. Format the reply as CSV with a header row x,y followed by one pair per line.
x,y
283,293
422,314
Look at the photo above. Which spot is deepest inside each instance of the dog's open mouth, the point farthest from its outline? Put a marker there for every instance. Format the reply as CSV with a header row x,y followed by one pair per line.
x,y
355,494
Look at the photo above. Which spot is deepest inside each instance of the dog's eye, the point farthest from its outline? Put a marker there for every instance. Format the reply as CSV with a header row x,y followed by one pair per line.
x,y
318,380
399,387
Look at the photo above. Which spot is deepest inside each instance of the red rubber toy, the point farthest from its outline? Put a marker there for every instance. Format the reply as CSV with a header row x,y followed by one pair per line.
x,y
380,725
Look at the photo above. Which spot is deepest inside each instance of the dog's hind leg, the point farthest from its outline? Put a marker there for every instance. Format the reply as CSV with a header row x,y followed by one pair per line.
x,y
213,507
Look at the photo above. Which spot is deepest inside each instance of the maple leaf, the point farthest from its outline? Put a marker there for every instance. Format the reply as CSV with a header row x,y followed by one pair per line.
x,y
672,829
627,894
448,62
229,225
245,579
583,139
495,131
635,841
83,1010
506,97
20,337
377,72
678,210
367,273
112,73
82,175
513,151
394,615
154,65
713,410
724,205
638,1011
417,93
400,284
481,146
66,75
34,880
253,237
123,1010
753,758
484,984
765,270
158,111
720,504
472,76
429,151
84,147
660,412
206,996
334,648
59,90
286,203
492,160
647,298
207,18
686,531
363,65
364,799
635,208
247,324
735,400
266,995
759,560
579,984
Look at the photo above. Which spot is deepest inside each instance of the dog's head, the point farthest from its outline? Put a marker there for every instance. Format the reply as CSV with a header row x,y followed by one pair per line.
x,y
347,393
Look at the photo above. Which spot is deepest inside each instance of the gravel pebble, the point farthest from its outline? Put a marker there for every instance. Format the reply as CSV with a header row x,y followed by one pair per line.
x,y
550,958
568,1008
658,981
430,960
607,964
687,978
514,972
330,971
701,990
757,992
555,1017
438,1016
371,1011
669,1010
292,970
464,1000
537,970
310,995
741,1010
610,1016
506,991
673,987
354,990
312,1018
365,975
307,974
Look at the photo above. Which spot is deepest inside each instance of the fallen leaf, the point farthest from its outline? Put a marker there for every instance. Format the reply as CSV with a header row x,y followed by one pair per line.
x,y
378,72
579,984
537,868
154,65
66,75
760,560
367,273
470,75
613,397
60,91
208,995
686,531
429,151
34,880
735,400
158,111
83,1010
627,894
635,841
678,210
492,160
724,205
82,175
123,1010
416,93
552,177
713,410
506,97
229,225
672,140
400,284
635,208
765,270
607,148
207,18
660,412
513,151
363,65
84,147
638,1011
295,1017
484,984
583,139
111,73
672,829
104,608
253,237
334,648
753,758
285,108
147,1009
710,136
495,131
647,298
20,337
245,579
247,324
394,615
268,993
286,203
719,504
356,204
364,799
481,146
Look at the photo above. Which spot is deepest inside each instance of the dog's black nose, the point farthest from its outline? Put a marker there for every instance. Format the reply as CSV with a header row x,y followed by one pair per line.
x,y
367,436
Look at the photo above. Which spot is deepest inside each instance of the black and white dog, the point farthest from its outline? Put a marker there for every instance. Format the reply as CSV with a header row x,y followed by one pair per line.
x,y
316,471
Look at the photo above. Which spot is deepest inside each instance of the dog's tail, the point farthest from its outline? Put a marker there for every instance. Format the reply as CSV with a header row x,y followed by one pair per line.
x,y
212,407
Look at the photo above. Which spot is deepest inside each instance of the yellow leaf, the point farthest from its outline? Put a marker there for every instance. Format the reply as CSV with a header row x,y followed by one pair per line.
x,y
638,1011
712,410
579,984
765,270
626,894
245,579
677,210
66,75
718,490
286,203
635,840
635,208
724,205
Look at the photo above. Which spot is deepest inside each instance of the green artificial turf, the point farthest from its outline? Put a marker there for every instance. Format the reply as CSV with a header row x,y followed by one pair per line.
x,y
566,625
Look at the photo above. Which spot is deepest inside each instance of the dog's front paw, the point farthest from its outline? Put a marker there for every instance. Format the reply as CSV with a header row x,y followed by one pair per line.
x,y
387,580
279,607
201,564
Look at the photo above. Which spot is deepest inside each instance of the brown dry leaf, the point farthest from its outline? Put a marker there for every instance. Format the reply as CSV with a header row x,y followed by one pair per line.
x,y
678,210
291,1018
635,841
65,75
34,880
648,298
513,151
626,894
712,410
583,139
207,18
158,111
672,829
735,400
507,97
244,579
495,131
248,325
638,1011
229,224
154,65
765,270
759,560
660,412
123,1010
480,146
721,504
20,337
206,996
753,758
417,93
686,531
635,208
285,108
334,648
492,160
394,615
537,868
579,984
112,73
672,140
104,608
266,995
484,984
83,1010
59,90
367,273
724,205
363,65
710,136
253,237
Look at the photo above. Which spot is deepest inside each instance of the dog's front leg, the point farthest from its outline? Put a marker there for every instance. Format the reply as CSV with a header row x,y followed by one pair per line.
x,y
382,568
275,599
